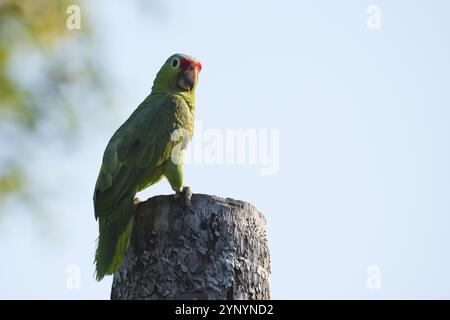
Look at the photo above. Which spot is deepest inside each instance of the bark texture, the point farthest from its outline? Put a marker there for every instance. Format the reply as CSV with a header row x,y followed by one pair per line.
x,y
219,251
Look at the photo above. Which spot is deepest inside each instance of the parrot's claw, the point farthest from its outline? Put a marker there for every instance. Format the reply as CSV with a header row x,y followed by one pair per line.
x,y
186,195
136,202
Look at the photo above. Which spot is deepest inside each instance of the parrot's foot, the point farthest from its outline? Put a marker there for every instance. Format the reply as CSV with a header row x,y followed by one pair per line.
x,y
138,240
136,201
185,195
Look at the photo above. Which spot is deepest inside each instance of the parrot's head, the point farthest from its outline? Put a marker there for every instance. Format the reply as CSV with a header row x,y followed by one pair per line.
x,y
178,74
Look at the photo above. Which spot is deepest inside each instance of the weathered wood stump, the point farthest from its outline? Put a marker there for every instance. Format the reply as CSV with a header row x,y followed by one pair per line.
x,y
219,251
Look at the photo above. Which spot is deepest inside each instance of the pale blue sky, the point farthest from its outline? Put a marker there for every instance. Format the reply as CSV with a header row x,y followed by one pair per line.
x,y
364,142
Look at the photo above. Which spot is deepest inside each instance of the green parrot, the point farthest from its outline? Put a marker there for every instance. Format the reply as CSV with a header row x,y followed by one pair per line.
x,y
149,145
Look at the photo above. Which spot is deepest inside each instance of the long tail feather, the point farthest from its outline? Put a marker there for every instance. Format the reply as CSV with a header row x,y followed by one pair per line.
x,y
114,239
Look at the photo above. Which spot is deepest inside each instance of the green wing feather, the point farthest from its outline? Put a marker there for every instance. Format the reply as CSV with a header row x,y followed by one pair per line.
x,y
141,144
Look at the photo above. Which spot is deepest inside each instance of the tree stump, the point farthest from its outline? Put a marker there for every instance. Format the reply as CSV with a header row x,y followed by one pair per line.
x,y
219,251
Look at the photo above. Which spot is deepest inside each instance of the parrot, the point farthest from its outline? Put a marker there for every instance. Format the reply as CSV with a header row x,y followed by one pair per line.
x,y
148,146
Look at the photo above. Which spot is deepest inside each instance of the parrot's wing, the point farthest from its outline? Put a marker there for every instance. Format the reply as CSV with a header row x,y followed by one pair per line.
x,y
142,143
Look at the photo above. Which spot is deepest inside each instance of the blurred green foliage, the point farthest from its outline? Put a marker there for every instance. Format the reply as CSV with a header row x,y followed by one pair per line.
x,y
43,66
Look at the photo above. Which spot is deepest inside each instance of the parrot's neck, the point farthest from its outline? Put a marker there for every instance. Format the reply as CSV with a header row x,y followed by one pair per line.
x,y
187,96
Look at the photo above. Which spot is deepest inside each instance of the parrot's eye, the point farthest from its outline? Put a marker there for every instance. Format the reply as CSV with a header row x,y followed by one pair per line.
x,y
175,63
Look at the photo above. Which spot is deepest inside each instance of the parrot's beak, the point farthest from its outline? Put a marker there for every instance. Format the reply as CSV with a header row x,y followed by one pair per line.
x,y
188,77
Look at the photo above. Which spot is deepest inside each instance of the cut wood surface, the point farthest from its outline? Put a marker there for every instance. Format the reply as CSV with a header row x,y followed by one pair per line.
x,y
217,251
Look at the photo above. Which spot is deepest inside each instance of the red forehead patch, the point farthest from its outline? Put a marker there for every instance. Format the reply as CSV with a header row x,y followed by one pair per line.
x,y
185,62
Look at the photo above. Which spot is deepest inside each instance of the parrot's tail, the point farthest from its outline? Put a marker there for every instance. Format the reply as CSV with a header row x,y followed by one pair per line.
x,y
115,233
